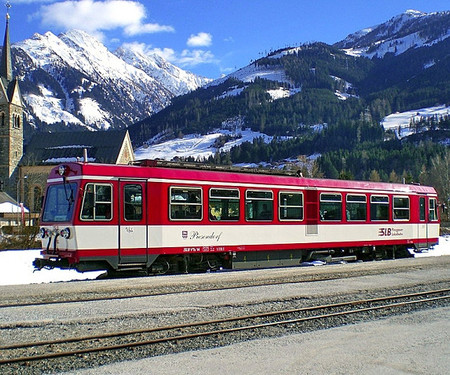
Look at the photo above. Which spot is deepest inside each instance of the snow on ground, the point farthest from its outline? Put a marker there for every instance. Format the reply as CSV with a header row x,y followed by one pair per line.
x,y
198,146
400,122
283,92
16,266
443,248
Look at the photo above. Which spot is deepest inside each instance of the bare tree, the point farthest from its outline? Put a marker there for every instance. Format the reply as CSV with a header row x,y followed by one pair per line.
x,y
439,177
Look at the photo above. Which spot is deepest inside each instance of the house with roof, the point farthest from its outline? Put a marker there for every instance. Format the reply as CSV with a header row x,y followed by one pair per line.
x,y
11,212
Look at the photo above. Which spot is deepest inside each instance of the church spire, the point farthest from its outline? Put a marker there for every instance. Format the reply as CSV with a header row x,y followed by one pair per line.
x,y
6,63
11,116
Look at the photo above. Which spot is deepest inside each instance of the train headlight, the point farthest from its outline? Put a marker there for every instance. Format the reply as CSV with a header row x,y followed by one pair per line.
x,y
44,233
65,233
62,170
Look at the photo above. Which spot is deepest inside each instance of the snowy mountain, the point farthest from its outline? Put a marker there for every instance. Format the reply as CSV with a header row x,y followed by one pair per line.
x,y
412,29
73,80
177,80
319,99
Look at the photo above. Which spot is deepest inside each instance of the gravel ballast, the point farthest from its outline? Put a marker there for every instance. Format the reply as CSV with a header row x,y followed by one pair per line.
x,y
339,283
416,343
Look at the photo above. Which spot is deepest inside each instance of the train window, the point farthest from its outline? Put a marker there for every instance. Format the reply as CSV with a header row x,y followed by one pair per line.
x,y
258,205
223,204
97,202
59,202
401,208
290,206
185,203
433,209
379,207
422,209
330,206
356,207
132,200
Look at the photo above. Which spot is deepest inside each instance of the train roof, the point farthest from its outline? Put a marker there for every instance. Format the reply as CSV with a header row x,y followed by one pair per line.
x,y
193,172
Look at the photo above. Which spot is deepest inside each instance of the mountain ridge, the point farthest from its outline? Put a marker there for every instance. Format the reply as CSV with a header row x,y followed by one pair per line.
x,y
73,79
402,32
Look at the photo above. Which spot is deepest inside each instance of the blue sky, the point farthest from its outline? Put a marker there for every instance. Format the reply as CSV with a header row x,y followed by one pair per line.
x,y
208,37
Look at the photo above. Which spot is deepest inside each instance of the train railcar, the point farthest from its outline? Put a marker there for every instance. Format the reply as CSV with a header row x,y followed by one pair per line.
x,y
157,218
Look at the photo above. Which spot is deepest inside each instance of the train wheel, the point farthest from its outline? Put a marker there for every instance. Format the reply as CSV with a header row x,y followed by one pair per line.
x,y
160,267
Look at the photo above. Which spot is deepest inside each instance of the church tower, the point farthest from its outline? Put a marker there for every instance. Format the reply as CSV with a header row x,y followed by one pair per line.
x,y
11,115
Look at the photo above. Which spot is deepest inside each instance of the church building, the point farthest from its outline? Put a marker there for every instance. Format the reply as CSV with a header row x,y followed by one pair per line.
x,y
11,118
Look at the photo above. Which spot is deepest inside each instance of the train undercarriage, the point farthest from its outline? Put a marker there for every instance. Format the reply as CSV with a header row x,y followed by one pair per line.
x,y
211,262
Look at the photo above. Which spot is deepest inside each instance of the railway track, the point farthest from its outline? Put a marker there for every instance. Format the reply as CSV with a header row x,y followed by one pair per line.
x,y
159,286
32,352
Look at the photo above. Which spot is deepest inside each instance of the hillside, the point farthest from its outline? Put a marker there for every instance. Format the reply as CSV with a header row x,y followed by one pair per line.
x,y
356,81
329,100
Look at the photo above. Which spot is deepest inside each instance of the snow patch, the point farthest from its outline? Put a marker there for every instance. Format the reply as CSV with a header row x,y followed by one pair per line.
x,y
233,91
250,72
400,123
429,64
16,268
282,92
49,109
198,146
344,96
93,114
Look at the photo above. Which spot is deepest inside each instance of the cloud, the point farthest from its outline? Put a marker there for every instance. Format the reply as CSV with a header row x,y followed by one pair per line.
x,y
96,16
200,40
31,1
186,59
195,57
144,49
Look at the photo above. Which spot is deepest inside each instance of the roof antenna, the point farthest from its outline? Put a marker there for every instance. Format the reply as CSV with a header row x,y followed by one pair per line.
x,y
85,157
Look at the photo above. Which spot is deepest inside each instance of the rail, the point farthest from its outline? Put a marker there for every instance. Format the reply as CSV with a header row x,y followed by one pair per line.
x,y
180,332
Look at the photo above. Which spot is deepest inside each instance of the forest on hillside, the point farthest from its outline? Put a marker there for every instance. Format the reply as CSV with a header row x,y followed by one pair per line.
x,y
315,120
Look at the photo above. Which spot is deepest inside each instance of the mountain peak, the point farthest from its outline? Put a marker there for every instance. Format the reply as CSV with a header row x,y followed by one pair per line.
x,y
73,79
82,39
415,13
411,29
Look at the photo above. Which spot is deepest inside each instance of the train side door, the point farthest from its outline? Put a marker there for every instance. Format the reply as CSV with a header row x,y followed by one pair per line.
x,y
132,222
423,222
312,211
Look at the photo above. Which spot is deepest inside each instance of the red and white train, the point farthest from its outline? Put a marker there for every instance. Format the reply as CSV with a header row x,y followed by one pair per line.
x,y
158,218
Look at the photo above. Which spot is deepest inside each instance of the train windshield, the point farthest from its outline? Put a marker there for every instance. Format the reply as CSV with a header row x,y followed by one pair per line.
x,y
59,203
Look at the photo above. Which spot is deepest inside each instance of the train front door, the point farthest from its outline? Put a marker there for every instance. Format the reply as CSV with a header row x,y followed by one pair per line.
x,y
132,222
423,223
